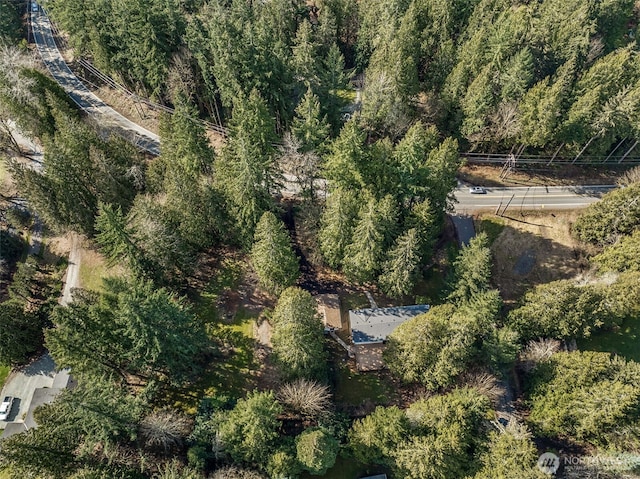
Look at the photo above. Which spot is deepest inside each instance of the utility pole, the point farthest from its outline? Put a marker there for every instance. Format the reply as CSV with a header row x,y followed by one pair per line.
x,y
508,167
628,151
615,149
508,203
585,147
555,154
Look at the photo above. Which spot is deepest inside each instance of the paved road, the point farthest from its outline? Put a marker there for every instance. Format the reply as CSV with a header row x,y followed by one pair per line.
x,y
464,228
109,118
529,198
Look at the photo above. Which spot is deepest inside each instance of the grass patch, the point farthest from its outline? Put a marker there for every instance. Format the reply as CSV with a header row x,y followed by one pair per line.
x,y
232,375
355,389
233,371
227,278
492,226
344,468
431,288
623,341
4,372
93,270
91,277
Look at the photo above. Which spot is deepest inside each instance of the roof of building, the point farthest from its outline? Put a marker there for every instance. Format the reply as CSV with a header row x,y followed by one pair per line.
x,y
374,325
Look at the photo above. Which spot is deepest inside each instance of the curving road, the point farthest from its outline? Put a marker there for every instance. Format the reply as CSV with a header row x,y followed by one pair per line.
x,y
525,198
80,94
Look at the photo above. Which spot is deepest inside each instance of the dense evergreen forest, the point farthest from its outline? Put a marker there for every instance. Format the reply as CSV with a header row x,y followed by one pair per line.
x,y
319,187
492,73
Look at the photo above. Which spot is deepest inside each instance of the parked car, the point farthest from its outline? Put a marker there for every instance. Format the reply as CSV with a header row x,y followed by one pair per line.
x,y
5,408
477,190
34,7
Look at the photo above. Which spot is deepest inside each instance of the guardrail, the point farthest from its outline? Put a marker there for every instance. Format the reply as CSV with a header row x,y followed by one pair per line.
x,y
501,158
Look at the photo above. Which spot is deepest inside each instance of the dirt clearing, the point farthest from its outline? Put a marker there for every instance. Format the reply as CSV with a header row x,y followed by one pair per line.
x,y
531,249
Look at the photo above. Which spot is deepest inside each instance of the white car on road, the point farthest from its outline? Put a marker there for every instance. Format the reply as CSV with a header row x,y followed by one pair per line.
x,y
5,408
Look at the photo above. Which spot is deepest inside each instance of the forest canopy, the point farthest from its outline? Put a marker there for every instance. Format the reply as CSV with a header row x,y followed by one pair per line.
x,y
494,74
204,354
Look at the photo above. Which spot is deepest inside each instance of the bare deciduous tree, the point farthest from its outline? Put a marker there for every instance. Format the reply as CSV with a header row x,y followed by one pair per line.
x,y
174,469
305,397
486,384
180,79
12,62
303,168
537,351
596,49
513,428
164,430
504,123
630,177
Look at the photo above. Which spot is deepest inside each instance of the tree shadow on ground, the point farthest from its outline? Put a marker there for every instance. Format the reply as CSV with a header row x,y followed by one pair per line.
x,y
523,259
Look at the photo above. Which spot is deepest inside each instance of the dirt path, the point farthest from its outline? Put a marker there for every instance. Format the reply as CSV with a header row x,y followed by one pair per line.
x,y
73,272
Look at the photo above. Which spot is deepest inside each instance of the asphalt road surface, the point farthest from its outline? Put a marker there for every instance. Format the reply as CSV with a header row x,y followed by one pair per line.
x,y
22,383
529,198
80,94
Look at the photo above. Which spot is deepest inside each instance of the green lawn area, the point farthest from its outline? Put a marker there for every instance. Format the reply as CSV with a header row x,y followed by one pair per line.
x,y
354,389
231,372
4,372
227,278
345,468
91,277
431,286
624,341
93,269
492,226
